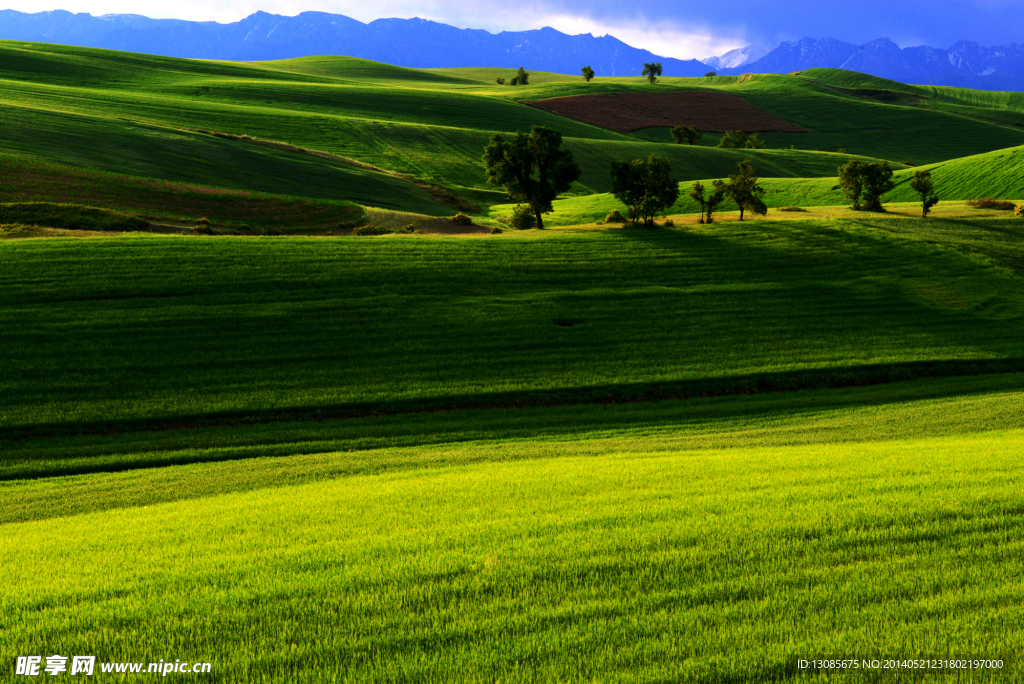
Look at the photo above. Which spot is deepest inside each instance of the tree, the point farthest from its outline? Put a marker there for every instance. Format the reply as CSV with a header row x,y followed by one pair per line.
x,y
646,187
715,198
686,135
499,81
922,185
587,72
514,81
710,74
531,168
754,143
851,180
877,182
744,190
867,181
733,139
697,195
652,71
524,78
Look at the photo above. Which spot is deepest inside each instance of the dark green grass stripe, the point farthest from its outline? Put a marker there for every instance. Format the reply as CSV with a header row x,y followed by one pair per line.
x,y
783,381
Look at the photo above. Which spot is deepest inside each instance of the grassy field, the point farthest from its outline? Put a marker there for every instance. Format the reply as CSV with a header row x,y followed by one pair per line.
x,y
138,115
998,174
267,324
592,453
624,557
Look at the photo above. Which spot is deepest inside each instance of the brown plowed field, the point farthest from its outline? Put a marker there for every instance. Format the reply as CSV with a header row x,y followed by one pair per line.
x,y
626,112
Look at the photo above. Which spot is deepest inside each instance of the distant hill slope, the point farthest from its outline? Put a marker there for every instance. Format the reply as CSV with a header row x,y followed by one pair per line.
x,y
405,42
998,174
966,65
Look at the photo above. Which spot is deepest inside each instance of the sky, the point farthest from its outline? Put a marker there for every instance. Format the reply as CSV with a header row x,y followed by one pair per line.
x,y
685,29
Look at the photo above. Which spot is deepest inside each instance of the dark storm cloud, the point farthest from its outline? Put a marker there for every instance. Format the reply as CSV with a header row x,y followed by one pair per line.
x,y
907,22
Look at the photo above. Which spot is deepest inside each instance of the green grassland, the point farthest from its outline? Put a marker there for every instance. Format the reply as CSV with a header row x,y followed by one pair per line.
x,y
29,181
266,325
628,557
136,114
591,453
998,174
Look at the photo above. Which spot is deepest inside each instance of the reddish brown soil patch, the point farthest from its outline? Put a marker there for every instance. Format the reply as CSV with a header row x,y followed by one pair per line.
x,y
626,112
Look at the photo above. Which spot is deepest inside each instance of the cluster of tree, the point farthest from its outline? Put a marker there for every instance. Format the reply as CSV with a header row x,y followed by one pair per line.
x,y
739,140
652,70
742,189
587,72
522,77
686,135
532,168
645,187
865,183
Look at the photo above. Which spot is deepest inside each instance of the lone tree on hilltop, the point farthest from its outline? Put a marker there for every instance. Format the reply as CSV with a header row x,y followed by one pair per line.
x,y
710,74
652,71
922,185
867,182
531,168
686,135
646,187
587,72
733,139
523,77
744,190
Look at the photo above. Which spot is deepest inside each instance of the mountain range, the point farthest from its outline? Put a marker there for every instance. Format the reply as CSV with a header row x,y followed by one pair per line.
x,y
966,64
419,43
415,43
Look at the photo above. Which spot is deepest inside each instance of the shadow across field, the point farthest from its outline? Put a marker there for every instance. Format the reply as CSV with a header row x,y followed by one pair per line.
x,y
761,383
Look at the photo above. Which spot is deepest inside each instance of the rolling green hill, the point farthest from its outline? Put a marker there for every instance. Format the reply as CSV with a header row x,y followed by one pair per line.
x,y
998,174
690,454
220,327
616,558
138,115
243,435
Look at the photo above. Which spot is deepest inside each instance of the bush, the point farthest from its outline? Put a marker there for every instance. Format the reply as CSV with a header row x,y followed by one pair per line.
x,y
614,216
1019,211
523,217
461,219
988,203
669,223
203,221
202,229
496,230
499,81
791,208
371,230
